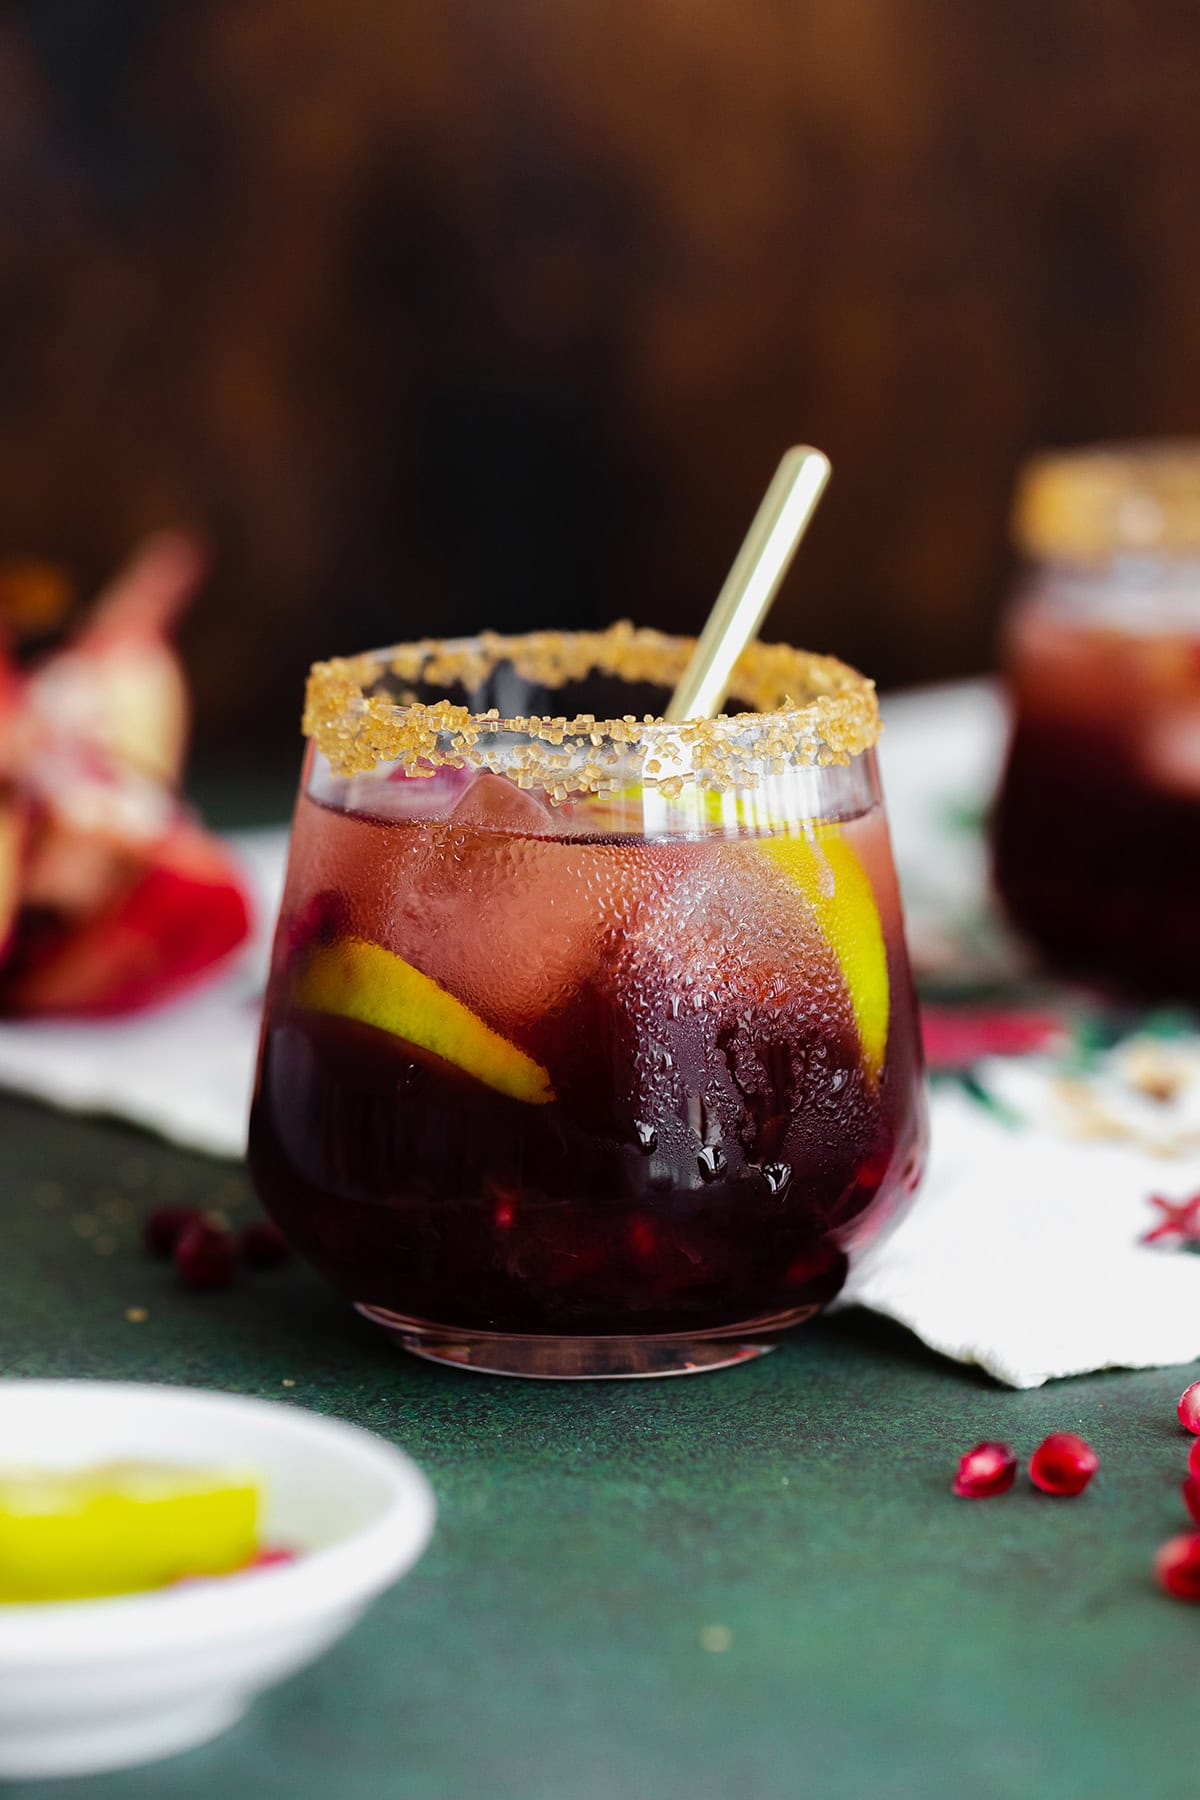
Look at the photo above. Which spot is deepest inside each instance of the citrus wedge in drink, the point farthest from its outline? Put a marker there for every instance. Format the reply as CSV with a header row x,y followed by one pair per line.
x,y
356,979
826,871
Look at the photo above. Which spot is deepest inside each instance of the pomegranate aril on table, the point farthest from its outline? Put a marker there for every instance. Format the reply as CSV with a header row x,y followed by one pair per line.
x,y
163,1228
1063,1464
1177,1566
1189,1408
990,1468
206,1256
1191,1497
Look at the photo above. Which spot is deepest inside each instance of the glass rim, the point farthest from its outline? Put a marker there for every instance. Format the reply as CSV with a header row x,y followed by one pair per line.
x,y
801,707
1095,502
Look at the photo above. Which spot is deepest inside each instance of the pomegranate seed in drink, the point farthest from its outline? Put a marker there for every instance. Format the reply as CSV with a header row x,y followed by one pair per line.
x,y
1189,1407
1063,1464
988,1469
205,1256
1177,1566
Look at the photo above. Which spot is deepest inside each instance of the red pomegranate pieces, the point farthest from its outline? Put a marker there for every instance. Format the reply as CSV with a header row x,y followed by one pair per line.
x,y
204,1250
179,914
1189,1407
272,1556
163,1228
1191,1497
112,896
1177,1566
205,1255
1063,1464
988,1469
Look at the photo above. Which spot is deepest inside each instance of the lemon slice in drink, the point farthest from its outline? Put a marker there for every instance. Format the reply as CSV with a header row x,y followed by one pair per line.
x,y
121,1528
831,878
355,979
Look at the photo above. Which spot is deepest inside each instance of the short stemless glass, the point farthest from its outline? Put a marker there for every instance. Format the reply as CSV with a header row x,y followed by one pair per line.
x,y
590,1046
1097,824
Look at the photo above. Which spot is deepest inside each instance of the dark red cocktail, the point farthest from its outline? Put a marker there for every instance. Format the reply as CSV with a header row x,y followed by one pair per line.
x,y
616,1083
1097,825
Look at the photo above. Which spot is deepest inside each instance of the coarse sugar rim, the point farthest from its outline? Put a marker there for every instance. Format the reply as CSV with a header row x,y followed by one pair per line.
x,y
1100,501
802,708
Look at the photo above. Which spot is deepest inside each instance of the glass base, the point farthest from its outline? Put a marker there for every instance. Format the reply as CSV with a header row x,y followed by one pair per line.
x,y
587,1358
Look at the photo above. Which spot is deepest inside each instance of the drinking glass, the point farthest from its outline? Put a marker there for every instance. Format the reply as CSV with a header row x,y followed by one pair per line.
x,y
1097,824
590,1046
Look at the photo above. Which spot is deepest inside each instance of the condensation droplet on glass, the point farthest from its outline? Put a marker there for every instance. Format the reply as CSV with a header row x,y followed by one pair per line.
x,y
647,1137
712,1162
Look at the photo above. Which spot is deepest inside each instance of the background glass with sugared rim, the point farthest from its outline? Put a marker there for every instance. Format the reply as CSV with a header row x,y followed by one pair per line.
x,y
1096,825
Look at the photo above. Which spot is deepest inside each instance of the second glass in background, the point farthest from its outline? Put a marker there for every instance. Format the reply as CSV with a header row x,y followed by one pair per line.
x,y
1097,825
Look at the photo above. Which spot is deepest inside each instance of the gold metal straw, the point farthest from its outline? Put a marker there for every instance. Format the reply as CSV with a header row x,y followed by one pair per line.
x,y
752,583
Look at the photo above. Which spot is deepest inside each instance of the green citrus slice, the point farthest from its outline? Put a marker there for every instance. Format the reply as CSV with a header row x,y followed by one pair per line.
x,y
831,878
358,980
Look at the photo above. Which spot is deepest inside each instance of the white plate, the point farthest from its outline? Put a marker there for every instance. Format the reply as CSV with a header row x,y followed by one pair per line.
x,y
103,1684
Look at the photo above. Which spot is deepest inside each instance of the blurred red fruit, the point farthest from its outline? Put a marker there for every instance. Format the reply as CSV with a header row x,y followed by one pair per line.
x,y
1191,1497
118,684
1188,1408
182,913
205,1256
954,1037
1177,1566
163,1228
12,839
1063,1464
111,896
988,1469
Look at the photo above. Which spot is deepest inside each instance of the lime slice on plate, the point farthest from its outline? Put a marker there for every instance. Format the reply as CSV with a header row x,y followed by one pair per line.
x,y
121,1528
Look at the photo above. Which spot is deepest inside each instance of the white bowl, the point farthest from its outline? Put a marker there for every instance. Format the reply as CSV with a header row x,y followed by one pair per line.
x,y
103,1684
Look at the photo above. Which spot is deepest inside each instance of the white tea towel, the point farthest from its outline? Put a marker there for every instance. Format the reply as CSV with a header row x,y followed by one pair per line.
x,y
1024,1251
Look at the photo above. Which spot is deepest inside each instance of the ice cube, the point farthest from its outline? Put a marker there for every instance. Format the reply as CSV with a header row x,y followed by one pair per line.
x,y
494,803
393,793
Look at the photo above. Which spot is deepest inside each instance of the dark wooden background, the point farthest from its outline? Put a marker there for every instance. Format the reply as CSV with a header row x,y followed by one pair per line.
x,y
438,313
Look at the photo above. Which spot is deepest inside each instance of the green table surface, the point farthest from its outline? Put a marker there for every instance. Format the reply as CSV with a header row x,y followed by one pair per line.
x,y
882,1639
